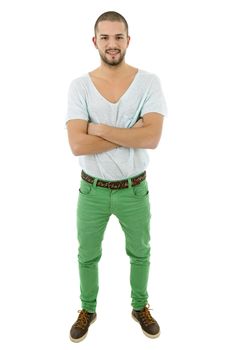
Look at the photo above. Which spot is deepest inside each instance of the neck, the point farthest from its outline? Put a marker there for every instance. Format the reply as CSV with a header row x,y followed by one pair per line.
x,y
113,71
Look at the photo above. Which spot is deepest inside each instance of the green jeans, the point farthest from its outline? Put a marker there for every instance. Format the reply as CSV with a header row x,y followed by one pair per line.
x,y
132,208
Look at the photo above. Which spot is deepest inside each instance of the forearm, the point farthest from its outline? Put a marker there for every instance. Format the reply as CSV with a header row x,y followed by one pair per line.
x,y
89,144
128,137
145,133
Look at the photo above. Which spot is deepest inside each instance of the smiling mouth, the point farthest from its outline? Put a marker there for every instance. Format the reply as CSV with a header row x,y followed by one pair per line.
x,y
113,52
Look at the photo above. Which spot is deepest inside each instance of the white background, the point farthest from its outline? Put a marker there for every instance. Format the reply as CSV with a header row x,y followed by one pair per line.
x,y
44,45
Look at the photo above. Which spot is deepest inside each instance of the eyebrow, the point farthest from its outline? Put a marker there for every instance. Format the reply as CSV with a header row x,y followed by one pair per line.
x,y
120,34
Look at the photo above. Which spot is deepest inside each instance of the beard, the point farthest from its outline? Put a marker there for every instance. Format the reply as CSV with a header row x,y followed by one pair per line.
x,y
112,61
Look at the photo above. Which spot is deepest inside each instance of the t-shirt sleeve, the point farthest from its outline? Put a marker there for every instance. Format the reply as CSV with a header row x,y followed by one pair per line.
x,y
76,108
155,100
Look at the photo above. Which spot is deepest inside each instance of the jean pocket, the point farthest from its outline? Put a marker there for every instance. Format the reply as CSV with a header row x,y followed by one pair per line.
x,y
141,190
85,188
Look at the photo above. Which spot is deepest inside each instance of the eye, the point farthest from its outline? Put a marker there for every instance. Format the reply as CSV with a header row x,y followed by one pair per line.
x,y
119,37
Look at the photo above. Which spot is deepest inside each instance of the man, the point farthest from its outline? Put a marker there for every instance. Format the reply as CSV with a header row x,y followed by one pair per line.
x,y
114,113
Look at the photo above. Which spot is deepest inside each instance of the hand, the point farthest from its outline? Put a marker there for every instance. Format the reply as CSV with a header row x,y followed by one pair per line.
x,y
139,123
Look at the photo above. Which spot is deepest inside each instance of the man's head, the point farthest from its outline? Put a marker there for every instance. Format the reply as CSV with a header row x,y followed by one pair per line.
x,y
111,37
111,16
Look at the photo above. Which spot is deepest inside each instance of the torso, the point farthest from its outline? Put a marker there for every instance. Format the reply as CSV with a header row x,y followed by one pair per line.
x,y
131,97
113,89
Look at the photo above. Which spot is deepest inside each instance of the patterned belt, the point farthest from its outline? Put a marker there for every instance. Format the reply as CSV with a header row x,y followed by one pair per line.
x,y
114,185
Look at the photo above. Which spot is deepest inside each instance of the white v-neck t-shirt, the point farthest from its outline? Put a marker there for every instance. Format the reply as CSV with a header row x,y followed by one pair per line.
x,y
144,95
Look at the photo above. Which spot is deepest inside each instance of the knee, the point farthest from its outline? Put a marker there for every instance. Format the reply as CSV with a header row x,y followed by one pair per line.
x,y
139,256
88,257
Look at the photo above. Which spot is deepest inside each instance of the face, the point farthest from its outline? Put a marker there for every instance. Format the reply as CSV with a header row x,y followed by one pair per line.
x,y
111,41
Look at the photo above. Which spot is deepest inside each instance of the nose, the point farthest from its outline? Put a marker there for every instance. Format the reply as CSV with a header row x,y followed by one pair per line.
x,y
112,42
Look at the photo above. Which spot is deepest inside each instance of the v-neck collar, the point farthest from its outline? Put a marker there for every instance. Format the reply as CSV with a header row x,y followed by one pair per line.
x,y
121,97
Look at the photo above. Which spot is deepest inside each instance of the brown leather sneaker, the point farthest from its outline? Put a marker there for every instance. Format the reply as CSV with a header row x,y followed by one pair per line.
x,y
80,328
149,326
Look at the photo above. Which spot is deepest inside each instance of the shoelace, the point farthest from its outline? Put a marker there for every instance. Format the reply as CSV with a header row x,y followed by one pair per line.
x,y
82,319
146,317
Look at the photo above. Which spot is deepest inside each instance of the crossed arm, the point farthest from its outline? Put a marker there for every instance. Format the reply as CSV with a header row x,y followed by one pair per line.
x,y
89,138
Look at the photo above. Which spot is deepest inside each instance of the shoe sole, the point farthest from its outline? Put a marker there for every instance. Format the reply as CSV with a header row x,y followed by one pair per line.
x,y
152,336
84,336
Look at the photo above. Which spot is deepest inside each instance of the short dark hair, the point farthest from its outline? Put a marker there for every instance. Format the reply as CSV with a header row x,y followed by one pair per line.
x,y
113,17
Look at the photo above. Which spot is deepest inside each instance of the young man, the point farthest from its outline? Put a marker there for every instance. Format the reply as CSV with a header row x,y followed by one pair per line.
x,y
114,113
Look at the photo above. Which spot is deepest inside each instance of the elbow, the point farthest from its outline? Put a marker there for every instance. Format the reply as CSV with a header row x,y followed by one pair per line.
x,y
76,150
152,143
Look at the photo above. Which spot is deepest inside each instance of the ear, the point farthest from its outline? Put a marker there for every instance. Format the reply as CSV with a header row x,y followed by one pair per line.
x,y
94,41
128,40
